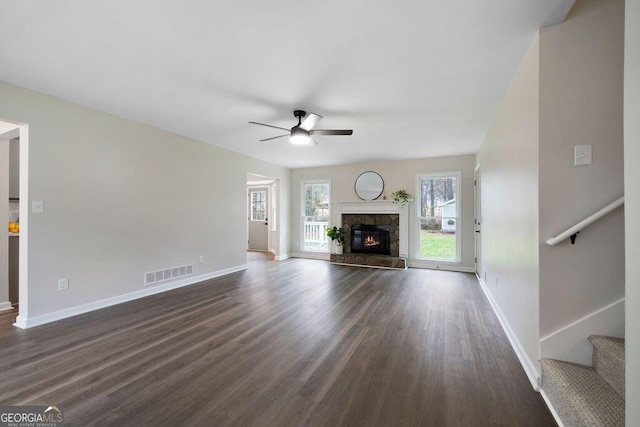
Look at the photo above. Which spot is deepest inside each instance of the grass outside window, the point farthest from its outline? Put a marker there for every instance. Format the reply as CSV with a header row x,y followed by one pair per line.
x,y
434,244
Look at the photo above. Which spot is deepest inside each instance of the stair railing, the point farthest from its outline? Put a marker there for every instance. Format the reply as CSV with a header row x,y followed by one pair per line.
x,y
572,232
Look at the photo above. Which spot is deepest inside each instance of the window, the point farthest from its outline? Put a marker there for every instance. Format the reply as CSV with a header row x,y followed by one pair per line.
x,y
315,216
258,205
438,213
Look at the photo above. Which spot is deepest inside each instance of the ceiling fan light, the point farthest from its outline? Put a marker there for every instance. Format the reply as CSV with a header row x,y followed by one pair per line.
x,y
300,137
300,140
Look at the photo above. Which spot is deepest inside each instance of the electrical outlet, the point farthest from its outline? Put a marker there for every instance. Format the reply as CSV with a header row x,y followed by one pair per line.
x,y
201,259
63,284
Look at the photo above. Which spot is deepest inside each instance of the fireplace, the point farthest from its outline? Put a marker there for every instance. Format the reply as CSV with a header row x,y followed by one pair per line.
x,y
384,216
370,239
388,223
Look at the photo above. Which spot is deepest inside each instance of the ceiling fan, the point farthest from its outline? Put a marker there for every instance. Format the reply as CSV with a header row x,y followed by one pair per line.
x,y
301,134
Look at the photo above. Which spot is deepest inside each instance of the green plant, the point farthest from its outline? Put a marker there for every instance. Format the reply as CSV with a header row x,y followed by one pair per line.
x,y
336,233
401,197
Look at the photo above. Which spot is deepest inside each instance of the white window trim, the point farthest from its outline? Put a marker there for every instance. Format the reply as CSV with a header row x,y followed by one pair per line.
x,y
302,216
416,218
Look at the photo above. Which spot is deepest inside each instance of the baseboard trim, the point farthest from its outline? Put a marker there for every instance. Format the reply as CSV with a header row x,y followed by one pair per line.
x,y
412,263
5,306
368,266
312,255
551,408
570,342
30,322
528,365
281,257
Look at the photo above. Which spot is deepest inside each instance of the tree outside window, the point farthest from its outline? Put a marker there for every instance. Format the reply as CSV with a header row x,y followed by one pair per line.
x,y
437,214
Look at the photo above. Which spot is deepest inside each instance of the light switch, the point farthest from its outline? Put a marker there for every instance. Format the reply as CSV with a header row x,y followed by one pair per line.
x,y
582,155
37,206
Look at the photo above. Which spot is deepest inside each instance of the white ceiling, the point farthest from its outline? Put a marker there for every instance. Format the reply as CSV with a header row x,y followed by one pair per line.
x,y
419,78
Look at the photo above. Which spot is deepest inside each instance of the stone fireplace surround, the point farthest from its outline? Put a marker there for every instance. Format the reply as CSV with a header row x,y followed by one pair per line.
x,y
374,212
392,220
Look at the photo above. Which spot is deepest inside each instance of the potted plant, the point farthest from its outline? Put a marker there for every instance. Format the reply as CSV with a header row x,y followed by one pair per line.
x,y
337,235
401,198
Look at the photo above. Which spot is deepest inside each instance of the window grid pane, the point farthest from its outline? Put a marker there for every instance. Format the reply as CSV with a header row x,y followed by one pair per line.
x,y
258,205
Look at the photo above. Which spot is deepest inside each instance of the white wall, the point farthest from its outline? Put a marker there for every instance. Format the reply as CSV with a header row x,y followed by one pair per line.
x,y
508,158
632,207
581,74
397,175
121,198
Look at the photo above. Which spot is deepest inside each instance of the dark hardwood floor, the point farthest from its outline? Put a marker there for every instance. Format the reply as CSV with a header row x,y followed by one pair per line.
x,y
8,317
295,342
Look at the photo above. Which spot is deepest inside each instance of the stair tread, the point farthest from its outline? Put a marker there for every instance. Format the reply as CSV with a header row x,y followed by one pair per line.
x,y
580,395
608,360
614,347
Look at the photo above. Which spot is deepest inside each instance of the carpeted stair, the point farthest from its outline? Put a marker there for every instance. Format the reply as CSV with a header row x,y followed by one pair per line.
x,y
586,396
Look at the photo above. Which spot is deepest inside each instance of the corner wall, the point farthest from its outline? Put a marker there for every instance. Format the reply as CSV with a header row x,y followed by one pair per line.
x,y
508,159
121,199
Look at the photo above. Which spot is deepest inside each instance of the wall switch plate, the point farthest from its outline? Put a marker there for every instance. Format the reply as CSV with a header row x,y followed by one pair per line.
x,y
37,206
582,155
63,284
201,259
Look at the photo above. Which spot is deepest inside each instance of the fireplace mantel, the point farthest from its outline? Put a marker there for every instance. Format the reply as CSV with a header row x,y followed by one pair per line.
x,y
376,207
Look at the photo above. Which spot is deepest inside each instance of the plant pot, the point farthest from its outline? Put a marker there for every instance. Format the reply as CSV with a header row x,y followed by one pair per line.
x,y
338,249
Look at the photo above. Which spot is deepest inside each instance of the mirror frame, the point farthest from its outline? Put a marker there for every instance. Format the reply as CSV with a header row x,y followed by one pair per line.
x,y
363,176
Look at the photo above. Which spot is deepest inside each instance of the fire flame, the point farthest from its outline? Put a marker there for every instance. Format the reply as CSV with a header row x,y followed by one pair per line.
x,y
370,241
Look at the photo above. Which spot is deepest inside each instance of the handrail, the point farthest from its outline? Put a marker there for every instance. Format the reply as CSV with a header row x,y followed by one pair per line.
x,y
573,231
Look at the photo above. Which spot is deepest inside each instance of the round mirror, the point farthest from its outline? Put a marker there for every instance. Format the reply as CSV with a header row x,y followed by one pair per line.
x,y
369,185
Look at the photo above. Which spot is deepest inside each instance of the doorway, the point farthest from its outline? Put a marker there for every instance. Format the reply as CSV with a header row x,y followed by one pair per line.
x,y
263,214
477,221
258,220
13,242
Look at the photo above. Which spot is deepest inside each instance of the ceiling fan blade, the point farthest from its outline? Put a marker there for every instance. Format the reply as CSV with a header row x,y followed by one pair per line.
x,y
310,121
273,137
271,126
332,132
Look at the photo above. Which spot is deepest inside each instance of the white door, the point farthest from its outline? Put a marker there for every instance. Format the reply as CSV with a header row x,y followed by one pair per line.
x,y
477,221
258,221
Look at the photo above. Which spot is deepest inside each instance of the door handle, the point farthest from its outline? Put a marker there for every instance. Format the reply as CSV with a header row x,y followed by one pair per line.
x,y
477,231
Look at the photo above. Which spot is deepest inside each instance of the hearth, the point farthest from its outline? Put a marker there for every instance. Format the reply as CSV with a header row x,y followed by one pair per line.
x,y
370,239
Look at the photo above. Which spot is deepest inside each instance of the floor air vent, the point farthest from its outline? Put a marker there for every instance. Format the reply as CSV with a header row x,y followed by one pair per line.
x,y
153,277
